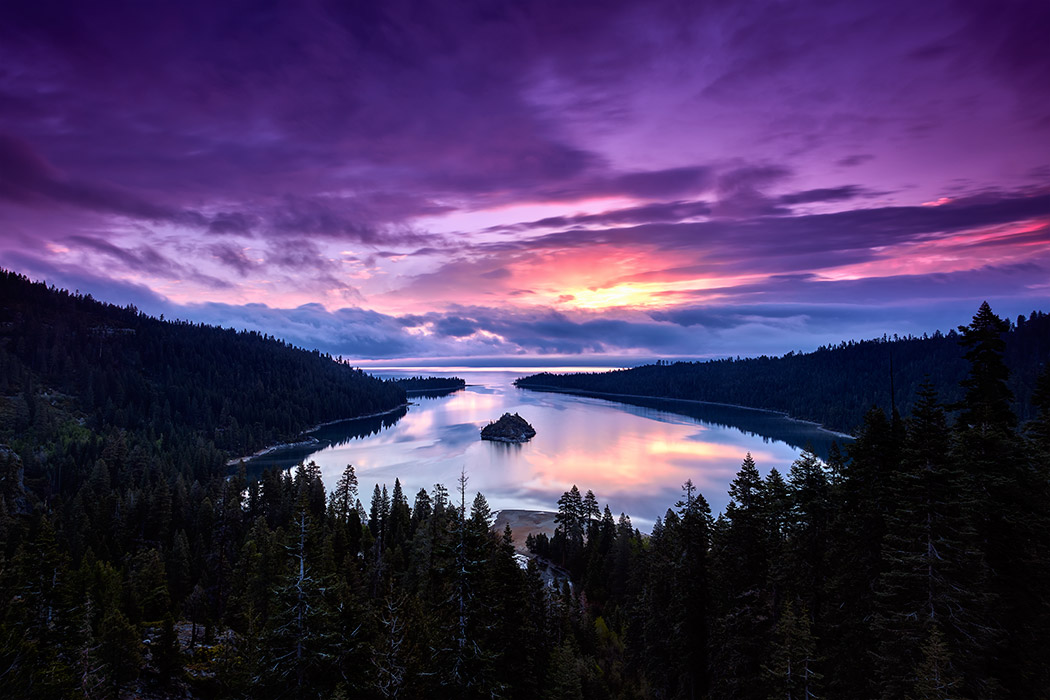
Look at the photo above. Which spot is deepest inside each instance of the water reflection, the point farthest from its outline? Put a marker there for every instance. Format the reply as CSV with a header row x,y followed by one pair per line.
x,y
634,453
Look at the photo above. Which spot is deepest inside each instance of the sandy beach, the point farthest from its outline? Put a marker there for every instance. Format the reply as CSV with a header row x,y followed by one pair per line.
x,y
524,523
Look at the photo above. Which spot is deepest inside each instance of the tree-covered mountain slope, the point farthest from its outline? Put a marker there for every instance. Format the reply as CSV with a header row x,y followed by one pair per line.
x,y
834,385
119,368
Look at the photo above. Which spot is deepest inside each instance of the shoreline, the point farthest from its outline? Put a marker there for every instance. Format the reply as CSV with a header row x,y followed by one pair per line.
x,y
303,443
599,394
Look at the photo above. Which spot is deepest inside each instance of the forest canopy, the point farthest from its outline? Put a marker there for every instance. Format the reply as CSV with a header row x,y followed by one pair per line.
x,y
914,564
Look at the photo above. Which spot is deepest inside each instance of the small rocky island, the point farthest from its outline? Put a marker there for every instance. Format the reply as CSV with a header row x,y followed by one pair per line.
x,y
509,428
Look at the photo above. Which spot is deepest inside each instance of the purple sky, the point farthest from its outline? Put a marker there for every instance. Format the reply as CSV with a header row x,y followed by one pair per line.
x,y
390,180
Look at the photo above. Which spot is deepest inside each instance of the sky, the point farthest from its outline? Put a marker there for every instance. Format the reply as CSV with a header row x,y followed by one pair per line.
x,y
544,181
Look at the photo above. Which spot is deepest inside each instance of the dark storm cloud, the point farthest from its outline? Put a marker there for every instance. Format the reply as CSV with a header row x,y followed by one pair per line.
x,y
739,195
824,194
641,184
233,222
741,191
261,136
455,326
790,243
648,213
26,178
350,332
547,332
233,257
883,296
266,107
145,259
269,105
318,72
1012,37
851,161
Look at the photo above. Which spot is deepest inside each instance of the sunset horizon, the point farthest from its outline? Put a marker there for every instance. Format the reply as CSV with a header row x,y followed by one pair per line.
x,y
629,181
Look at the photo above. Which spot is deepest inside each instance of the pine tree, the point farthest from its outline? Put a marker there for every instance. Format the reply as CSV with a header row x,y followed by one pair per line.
x,y
692,592
791,671
119,650
571,519
1012,516
934,676
400,518
422,508
300,647
375,514
986,406
345,494
591,514
563,678
858,528
808,533
742,552
480,513
932,573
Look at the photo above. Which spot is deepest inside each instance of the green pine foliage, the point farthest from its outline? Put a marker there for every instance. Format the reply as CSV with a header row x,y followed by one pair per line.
x,y
835,385
133,564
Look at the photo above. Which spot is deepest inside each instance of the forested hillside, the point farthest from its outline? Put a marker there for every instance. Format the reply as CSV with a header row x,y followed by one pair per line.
x,y
835,385
176,382
915,565
431,384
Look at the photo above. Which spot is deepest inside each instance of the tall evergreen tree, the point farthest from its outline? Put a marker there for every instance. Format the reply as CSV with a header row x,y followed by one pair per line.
x,y
986,405
932,570
859,525
809,534
791,668
344,496
1012,516
742,554
693,592
400,519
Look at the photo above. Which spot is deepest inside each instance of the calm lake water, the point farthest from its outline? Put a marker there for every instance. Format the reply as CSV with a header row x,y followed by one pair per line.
x,y
633,453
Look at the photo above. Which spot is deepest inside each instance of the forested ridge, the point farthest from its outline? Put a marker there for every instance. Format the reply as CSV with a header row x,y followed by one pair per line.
x,y
431,384
184,383
836,384
915,565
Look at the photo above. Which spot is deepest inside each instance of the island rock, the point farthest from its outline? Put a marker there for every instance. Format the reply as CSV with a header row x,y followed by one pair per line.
x,y
509,428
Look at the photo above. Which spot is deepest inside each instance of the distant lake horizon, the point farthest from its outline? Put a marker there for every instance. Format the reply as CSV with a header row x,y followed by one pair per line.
x,y
633,452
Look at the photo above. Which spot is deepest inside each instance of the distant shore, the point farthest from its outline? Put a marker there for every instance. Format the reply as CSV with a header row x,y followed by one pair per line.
x,y
601,394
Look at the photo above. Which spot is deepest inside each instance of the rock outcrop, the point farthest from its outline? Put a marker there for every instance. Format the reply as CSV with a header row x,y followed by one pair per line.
x,y
509,428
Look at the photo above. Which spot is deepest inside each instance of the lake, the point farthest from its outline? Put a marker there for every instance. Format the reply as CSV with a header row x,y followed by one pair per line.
x,y
635,454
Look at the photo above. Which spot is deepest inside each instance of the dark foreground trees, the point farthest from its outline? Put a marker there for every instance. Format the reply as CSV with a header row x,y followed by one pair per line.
x,y
915,565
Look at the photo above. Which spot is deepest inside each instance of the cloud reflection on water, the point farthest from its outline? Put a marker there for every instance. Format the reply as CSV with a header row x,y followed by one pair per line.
x,y
634,458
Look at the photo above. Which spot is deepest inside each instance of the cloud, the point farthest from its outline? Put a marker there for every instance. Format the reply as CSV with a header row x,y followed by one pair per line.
x,y
145,259
28,179
233,222
853,160
234,257
308,152
770,327
779,244
648,213
823,194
